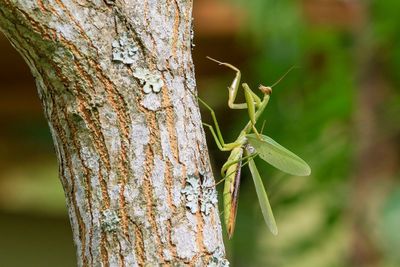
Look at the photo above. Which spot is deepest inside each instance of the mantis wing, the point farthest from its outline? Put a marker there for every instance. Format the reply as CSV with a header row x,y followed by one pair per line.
x,y
263,198
278,156
231,190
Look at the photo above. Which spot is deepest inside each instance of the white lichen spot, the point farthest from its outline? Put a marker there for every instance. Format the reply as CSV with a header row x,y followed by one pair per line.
x,y
205,195
185,241
152,82
64,29
210,238
151,102
192,192
114,188
179,88
167,255
177,186
114,259
131,193
186,153
128,258
110,221
160,191
165,141
124,50
111,133
192,220
218,259
191,83
173,64
90,158
209,199
139,137
29,5
140,213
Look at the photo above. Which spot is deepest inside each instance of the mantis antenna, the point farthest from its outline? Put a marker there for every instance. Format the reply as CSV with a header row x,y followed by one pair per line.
x,y
284,75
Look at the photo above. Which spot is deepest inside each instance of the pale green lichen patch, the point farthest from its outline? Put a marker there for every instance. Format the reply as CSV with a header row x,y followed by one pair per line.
x,y
210,235
192,192
185,240
110,221
151,102
204,195
124,50
151,82
208,200
218,259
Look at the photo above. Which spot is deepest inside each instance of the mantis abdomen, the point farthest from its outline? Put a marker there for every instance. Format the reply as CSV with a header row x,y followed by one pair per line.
x,y
231,189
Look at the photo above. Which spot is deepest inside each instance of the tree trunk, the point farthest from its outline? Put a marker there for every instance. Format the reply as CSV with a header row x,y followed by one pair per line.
x,y
114,78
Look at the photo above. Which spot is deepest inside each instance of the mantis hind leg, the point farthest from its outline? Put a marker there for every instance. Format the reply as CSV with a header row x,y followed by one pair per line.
x,y
217,133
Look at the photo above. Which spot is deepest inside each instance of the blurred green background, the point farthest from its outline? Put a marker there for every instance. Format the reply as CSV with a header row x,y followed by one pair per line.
x,y
340,111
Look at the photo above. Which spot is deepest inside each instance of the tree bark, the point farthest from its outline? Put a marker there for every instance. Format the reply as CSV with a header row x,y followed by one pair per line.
x,y
114,78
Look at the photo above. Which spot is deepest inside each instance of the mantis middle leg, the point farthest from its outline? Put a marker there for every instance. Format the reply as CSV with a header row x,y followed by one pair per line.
x,y
219,140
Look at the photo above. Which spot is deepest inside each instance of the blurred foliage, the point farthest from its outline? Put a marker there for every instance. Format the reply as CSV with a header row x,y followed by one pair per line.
x,y
389,227
35,241
41,193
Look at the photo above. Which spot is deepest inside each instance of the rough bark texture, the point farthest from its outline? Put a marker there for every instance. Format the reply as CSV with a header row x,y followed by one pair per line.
x,y
114,78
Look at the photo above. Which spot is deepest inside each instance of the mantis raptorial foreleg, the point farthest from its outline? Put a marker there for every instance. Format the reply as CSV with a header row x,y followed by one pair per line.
x,y
251,106
234,87
253,102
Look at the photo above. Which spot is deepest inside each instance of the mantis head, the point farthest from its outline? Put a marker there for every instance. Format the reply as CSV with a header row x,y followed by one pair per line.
x,y
267,90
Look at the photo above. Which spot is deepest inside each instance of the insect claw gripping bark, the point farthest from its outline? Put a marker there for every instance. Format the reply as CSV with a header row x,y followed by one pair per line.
x,y
248,145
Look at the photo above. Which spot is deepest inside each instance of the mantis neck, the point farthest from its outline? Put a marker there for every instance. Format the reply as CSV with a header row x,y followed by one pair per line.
x,y
248,128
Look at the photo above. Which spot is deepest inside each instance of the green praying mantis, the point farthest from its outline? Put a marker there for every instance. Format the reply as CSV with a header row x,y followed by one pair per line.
x,y
248,145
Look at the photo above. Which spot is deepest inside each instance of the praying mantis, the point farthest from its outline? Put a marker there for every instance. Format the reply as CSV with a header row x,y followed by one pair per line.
x,y
248,145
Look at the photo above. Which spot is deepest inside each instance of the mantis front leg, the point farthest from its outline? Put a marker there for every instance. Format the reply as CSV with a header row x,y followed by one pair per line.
x,y
234,87
252,103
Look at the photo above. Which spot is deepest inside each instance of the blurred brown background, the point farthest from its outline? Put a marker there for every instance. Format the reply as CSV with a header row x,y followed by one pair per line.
x,y
340,111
